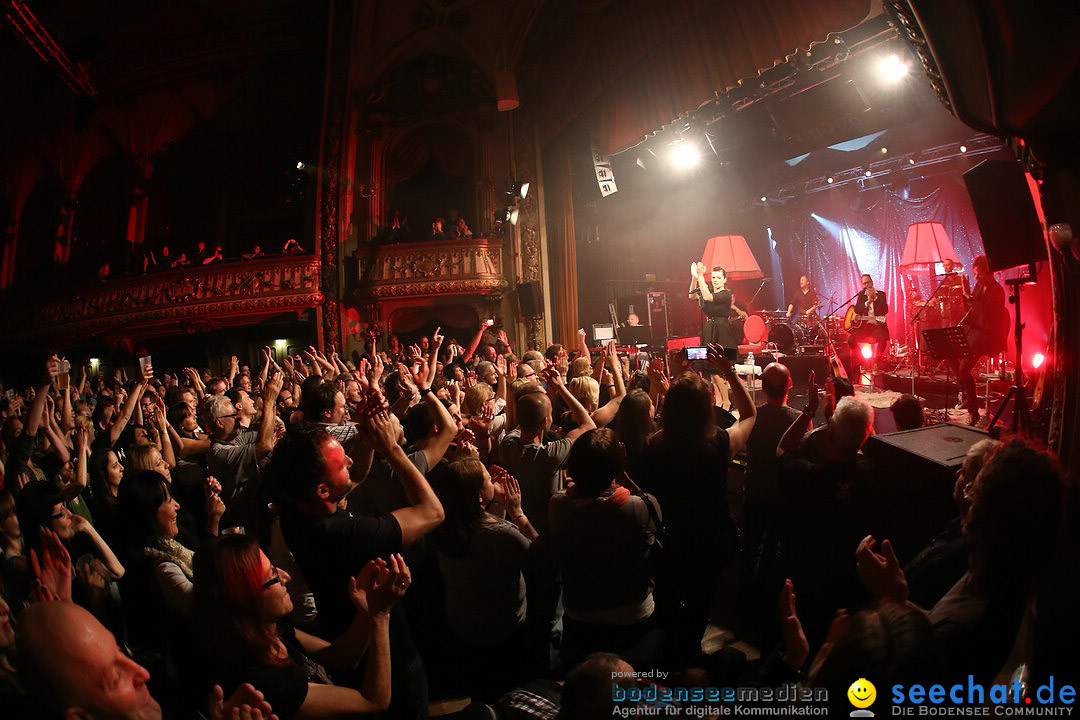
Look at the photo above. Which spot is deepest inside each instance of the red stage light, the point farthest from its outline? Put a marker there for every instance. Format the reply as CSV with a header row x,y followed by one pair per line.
x,y
1038,360
867,351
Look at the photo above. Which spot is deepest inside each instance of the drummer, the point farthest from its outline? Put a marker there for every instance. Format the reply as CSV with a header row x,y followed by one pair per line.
x,y
805,303
951,293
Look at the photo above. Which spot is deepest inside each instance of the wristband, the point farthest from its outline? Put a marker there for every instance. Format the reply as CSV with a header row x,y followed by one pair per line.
x,y
424,391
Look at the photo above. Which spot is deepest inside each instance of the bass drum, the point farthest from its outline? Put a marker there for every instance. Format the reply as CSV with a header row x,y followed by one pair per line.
x,y
786,337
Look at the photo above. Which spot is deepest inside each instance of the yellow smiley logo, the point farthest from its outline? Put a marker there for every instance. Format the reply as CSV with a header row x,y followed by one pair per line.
x,y
862,693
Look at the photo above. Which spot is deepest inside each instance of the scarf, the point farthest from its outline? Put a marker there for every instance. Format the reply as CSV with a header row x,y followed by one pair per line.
x,y
171,551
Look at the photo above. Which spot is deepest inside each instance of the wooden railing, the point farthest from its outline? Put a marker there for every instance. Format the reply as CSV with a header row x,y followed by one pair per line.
x,y
451,267
236,290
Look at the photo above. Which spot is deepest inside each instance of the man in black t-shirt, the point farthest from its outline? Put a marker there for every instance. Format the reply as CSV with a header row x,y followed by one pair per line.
x,y
331,545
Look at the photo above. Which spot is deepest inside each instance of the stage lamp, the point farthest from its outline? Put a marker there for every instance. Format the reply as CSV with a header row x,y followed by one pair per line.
x,y
868,173
963,148
764,199
300,165
685,155
893,68
829,180
518,190
512,215
1037,360
884,151
866,350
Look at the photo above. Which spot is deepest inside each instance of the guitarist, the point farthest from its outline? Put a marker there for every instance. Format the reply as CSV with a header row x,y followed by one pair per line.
x,y
869,326
987,329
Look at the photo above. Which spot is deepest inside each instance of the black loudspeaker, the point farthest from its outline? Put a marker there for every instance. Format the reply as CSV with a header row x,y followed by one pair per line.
x,y
530,299
1006,214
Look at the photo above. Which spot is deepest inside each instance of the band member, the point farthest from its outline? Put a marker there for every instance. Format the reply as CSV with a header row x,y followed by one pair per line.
x,y
951,293
987,329
805,303
717,302
869,327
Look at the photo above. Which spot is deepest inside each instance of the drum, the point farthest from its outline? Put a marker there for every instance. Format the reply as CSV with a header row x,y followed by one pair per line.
x,y
785,336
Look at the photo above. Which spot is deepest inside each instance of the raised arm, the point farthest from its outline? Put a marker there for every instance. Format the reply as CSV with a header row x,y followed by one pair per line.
x,y
476,340
132,402
266,439
234,367
740,431
577,410
82,472
606,414
425,512
795,432
67,417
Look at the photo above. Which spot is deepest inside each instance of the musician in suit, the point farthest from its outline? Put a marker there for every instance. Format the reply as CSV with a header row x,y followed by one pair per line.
x,y
869,326
987,328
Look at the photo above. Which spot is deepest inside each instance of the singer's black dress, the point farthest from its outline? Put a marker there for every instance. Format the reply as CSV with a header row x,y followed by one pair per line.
x,y
718,328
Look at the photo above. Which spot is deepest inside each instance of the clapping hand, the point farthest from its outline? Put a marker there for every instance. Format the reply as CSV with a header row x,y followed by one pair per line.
x,y
246,703
380,585
52,570
796,647
881,574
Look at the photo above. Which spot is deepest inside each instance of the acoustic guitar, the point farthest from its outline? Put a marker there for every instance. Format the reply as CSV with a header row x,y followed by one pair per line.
x,y
854,321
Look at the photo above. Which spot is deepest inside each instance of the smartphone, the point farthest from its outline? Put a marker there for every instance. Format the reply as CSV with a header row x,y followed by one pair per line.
x,y
697,353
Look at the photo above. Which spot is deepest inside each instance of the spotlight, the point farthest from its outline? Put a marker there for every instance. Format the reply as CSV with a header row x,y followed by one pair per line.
x,y
893,68
685,155
963,148
829,180
518,190
300,165
280,343
866,351
512,215
868,173
1038,360
884,151
911,161
764,199
94,362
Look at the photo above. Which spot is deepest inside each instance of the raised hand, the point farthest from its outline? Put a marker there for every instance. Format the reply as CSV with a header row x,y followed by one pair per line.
x,y
437,338
488,323
719,361
481,424
812,398
500,364
380,585
694,270
881,574
796,647
52,570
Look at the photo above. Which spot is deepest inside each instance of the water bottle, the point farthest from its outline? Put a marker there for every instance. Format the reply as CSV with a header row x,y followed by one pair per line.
x,y
750,363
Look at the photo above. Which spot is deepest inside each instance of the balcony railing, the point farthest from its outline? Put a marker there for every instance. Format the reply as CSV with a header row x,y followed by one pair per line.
x,y
450,267
242,291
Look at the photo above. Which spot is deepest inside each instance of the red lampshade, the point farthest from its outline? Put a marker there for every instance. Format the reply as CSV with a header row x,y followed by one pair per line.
x,y
927,244
733,254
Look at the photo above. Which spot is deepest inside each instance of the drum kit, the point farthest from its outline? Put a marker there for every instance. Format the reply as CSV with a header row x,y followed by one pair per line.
x,y
803,334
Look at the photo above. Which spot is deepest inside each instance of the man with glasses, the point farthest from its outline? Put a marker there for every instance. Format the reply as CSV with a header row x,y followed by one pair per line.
x,y
236,456
868,325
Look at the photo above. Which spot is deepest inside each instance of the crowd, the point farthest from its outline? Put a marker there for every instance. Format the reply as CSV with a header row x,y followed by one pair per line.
x,y
312,537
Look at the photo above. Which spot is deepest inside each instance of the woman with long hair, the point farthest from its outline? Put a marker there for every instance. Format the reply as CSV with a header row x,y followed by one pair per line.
x,y
241,603
482,556
686,468
634,425
105,474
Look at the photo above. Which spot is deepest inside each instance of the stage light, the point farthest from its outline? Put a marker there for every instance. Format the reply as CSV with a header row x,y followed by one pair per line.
x,y
764,199
523,190
866,351
512,216
911,161
829,180
685,155
963,148
868,173
300,165
893,69
1037,361
94,362
280,343
884,151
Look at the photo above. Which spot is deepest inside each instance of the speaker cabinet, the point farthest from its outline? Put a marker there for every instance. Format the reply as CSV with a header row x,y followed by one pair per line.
x,y
530,299
1006,214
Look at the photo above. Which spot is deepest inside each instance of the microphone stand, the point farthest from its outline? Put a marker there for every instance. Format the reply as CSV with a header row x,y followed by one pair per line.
x,y
918,358
756,293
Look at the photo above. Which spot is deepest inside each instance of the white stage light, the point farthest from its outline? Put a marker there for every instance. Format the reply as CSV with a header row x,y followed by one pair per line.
x,y
893,68
685,155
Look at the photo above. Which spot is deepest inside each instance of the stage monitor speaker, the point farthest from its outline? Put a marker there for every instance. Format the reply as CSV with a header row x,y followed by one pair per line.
x,y
917,469
1006,214
530,299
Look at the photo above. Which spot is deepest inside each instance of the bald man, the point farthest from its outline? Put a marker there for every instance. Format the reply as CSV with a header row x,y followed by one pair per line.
x,y
74,666
773,418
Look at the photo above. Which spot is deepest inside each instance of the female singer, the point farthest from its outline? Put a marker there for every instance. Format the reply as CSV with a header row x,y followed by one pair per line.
x,y
717,303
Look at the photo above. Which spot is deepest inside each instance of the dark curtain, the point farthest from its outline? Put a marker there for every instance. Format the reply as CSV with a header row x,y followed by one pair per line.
x,y
562,247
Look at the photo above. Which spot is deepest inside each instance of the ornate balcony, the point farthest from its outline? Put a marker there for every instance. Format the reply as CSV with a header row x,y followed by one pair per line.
x,y
191,298
426,269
